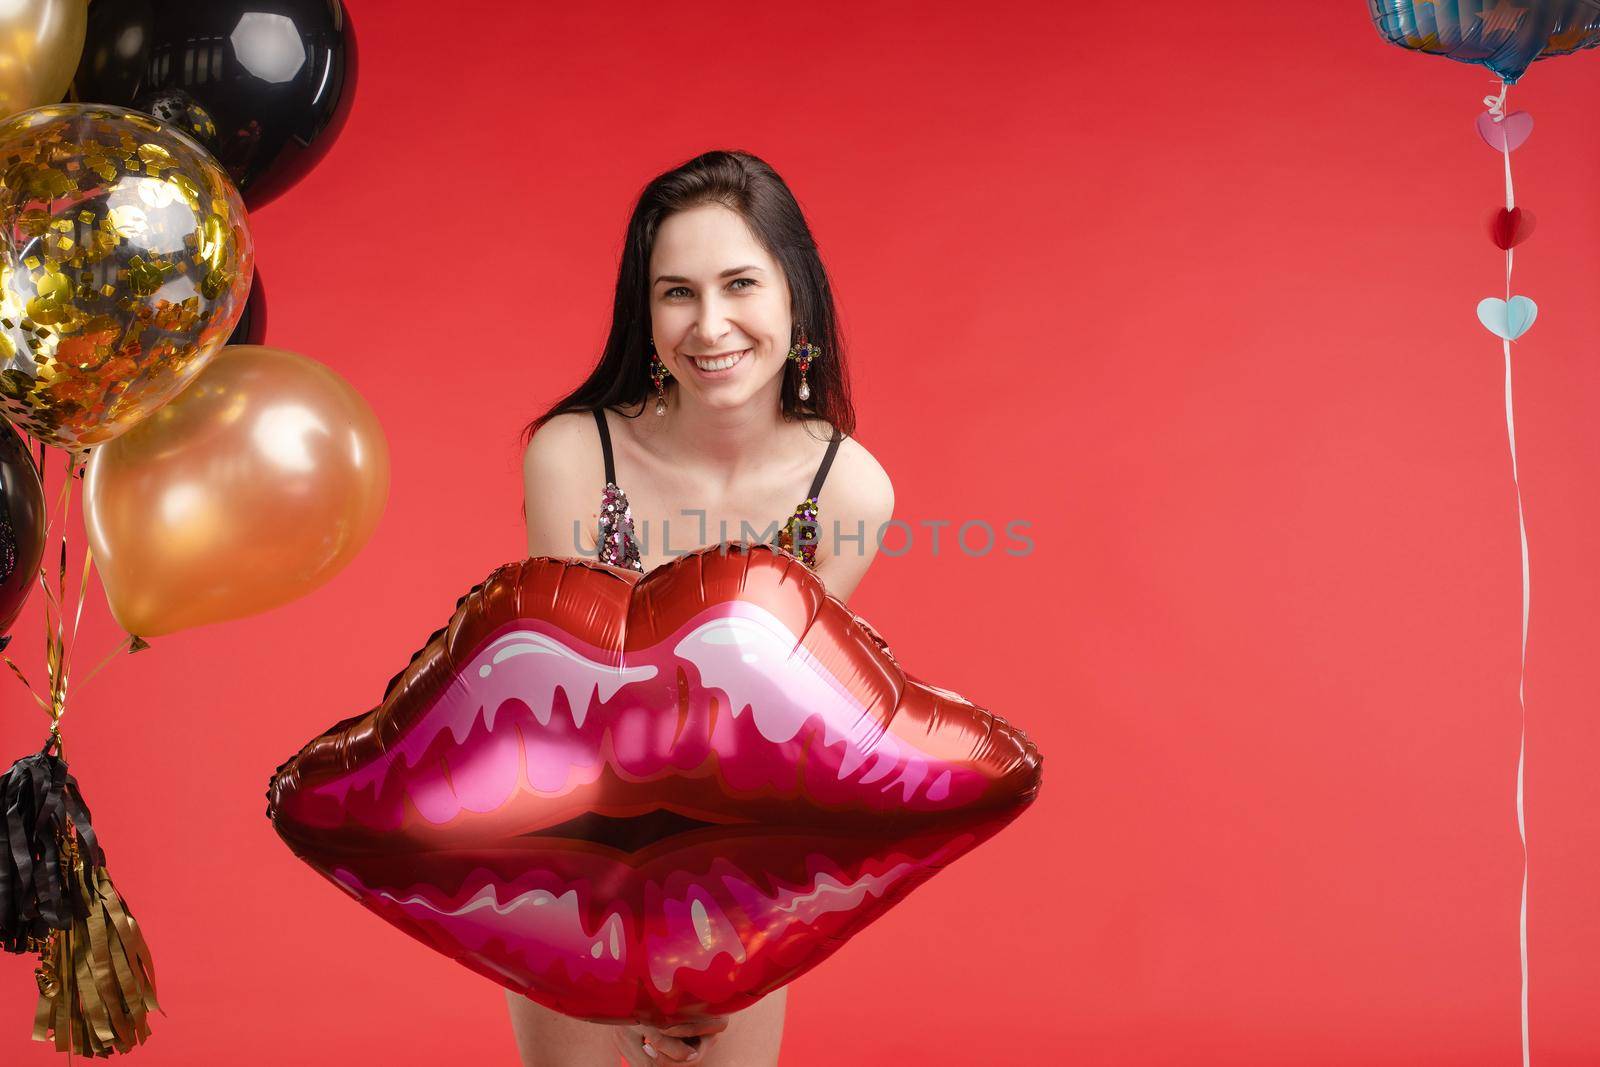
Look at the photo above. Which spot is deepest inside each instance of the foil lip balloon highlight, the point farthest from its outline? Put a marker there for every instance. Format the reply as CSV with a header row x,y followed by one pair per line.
x,y
724,702
699,931
650,802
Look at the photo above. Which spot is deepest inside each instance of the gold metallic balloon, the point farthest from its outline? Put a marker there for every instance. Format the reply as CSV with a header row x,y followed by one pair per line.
x,y
126,261
253,487
41,42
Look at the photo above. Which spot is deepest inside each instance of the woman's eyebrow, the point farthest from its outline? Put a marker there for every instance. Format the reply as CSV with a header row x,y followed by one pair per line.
x,y
730,272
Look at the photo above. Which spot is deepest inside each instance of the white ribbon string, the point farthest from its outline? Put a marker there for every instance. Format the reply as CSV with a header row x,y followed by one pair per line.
x,y
1522,745
1496,106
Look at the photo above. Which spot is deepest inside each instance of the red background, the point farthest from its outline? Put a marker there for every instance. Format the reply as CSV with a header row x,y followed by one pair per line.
x,y
1190,288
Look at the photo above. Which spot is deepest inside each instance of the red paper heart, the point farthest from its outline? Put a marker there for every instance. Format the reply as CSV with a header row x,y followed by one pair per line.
x,y
1510,227
650,797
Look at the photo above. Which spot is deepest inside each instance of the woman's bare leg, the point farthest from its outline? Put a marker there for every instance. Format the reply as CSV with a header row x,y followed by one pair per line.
x,y
546,1038
753,1035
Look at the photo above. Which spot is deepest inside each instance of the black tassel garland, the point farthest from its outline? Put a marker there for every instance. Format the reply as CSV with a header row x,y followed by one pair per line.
x,y
37,799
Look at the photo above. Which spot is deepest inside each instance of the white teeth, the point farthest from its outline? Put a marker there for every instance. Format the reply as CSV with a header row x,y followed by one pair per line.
x,y
721,363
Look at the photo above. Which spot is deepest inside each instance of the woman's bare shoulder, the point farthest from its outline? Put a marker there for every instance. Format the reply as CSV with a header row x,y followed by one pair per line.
x,y
853,461
856,501
858,477
563,430
563,475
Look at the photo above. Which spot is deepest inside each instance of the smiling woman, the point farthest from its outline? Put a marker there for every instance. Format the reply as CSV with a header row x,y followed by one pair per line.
x,y
723,317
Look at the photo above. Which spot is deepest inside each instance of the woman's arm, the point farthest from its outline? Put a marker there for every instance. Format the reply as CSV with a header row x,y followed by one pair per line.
x,y
857,499
562,481
555,474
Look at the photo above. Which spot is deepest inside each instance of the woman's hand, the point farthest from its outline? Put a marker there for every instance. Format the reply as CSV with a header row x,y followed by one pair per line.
x,y
646,1046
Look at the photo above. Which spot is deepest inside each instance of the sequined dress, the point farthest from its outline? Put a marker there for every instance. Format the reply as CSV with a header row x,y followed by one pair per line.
x,y
798,534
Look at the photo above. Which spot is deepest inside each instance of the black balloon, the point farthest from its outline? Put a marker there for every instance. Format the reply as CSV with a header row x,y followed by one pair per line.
x,y
265,85
22,519
252,326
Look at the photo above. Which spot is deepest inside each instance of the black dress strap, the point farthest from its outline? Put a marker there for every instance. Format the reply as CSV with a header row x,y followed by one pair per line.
x,y
827,461
605,443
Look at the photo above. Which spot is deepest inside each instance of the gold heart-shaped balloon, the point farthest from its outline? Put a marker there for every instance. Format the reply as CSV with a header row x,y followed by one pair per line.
x,y
251,488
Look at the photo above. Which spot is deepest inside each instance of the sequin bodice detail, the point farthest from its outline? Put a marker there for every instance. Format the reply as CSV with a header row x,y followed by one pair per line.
x,y
616,530
798,534
618,547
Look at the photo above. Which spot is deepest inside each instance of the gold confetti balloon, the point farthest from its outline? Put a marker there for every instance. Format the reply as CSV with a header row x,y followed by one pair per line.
x,y
125,263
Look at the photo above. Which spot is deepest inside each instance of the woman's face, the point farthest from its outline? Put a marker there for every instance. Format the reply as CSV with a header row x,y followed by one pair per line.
x,y
714,291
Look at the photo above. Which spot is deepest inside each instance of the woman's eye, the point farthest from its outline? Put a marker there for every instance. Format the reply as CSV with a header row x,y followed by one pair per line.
x,y
675,290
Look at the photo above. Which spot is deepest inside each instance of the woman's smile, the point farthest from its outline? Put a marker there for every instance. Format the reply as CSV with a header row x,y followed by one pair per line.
x,y
718,366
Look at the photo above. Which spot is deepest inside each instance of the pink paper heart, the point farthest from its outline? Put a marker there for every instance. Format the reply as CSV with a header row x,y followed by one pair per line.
x,y
1508,134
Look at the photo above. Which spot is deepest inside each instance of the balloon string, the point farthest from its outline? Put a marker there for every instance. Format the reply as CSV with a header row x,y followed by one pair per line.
x,y
49,638
59,646
73,468
26,684
58,683
128,640
83,593
1497,104
72,643
1496,107
50,520
1522,744
58,651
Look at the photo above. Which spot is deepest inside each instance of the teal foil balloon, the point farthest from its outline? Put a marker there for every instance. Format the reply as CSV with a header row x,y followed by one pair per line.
x,y
1503,35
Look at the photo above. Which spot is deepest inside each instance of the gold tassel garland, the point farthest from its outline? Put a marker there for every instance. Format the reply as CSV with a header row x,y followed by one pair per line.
x,y
96,980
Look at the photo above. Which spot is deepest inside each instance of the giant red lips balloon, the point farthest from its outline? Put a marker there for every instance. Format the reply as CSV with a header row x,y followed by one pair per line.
x,y
650,797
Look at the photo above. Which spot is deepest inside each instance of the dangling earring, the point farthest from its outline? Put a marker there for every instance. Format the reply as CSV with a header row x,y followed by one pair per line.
x,y
658,374
804,352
